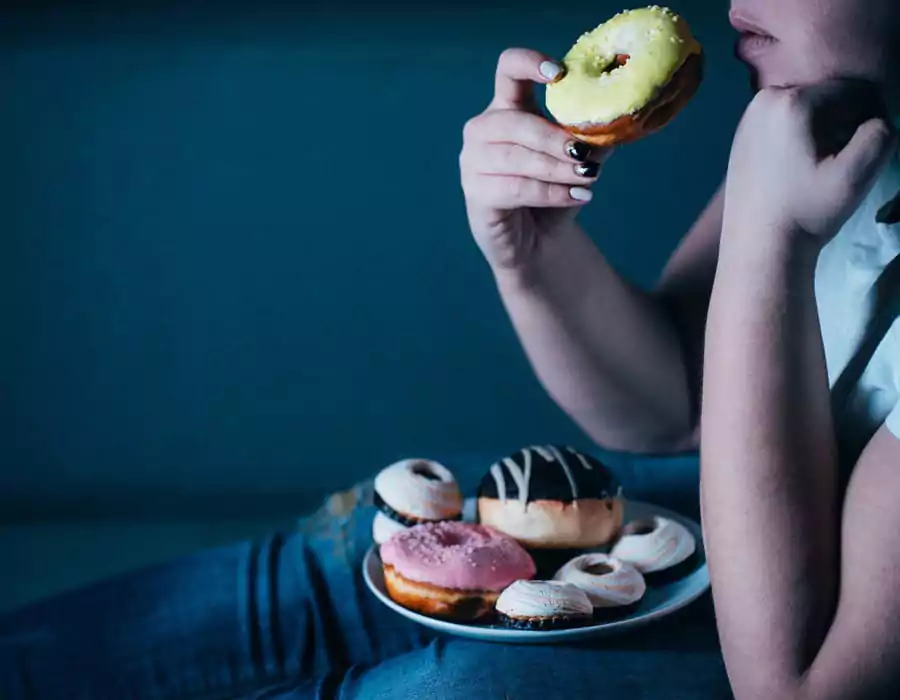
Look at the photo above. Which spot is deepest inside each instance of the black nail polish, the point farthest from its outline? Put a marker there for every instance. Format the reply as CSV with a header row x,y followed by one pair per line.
x,y
578,150
587,169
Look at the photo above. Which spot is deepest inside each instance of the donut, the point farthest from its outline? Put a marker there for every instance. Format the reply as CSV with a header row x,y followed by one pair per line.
x,y
544,605
452,570
610,584
627,78
411,492
655,545
552,498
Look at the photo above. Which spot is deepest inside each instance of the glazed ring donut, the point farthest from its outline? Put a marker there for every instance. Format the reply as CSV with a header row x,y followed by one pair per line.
x,y
413,491
654,545
544,605
627,78
608,582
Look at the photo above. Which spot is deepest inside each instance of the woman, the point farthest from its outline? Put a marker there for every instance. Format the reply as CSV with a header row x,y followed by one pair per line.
x,y
807,587
788,253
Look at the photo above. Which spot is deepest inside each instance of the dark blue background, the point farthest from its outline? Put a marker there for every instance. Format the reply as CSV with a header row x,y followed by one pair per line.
x,y
235,265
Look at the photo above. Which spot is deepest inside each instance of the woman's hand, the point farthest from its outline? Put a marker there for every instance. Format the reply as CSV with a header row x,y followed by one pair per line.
x,y
523,177
794,567
803,159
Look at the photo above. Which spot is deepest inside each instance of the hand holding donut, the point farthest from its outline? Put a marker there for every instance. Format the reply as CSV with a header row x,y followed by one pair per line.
x,y
523,177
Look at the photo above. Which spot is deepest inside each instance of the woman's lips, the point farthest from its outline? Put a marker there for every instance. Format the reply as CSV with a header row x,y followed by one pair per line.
x,y
745,24
751,46
754,40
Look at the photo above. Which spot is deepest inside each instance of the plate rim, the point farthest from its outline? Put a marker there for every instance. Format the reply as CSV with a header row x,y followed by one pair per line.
x,y
499,634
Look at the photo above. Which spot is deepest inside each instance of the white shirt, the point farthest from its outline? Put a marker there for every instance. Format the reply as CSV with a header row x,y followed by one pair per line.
x,y
848,269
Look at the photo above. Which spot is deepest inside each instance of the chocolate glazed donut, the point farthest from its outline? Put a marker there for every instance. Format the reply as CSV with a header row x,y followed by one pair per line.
x,y
556,501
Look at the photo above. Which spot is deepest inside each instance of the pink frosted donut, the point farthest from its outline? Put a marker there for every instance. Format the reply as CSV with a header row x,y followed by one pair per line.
x,y
452,569
458,555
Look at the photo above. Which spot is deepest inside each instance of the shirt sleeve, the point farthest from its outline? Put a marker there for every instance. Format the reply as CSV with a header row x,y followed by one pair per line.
x,y
893,421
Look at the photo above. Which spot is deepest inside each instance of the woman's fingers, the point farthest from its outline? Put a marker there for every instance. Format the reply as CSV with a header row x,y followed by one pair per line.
x,y
513,159
512,192
517,72
525,129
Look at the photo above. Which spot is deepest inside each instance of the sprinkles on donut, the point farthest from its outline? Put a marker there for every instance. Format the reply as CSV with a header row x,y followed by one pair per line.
x,y
627,78
452,570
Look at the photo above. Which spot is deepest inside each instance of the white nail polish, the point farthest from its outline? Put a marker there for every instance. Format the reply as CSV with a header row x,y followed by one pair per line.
x,y
550,70
582,194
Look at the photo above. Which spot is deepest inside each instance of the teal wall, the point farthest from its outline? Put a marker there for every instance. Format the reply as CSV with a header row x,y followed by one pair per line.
x,y
234,261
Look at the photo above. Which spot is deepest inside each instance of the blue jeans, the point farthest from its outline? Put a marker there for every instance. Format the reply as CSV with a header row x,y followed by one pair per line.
x,y
290,617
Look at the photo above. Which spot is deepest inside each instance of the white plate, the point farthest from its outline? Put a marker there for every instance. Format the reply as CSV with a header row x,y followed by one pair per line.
x,y
658,602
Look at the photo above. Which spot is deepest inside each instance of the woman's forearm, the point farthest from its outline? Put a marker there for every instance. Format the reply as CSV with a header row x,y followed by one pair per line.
x,y
605,351
768,464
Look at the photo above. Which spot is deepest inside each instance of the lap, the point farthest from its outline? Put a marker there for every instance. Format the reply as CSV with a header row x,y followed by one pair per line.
x,y
290,617
221,622
675,659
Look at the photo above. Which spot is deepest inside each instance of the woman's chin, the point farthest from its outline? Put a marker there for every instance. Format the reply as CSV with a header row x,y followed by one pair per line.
x,y
761,79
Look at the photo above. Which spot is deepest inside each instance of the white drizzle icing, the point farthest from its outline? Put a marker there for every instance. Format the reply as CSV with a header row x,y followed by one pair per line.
x,y
515,471
523,496
580,458
522,475
500,480
543,453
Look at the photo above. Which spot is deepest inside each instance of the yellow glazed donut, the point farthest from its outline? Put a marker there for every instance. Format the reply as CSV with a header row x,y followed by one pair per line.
x,y
627,78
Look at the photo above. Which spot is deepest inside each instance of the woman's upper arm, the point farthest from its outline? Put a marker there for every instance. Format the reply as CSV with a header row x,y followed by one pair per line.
x,y
692,267
860,657
686,286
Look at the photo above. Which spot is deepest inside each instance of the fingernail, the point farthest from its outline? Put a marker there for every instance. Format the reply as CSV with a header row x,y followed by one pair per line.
x,y
582,194
578,150
587,169
550,70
